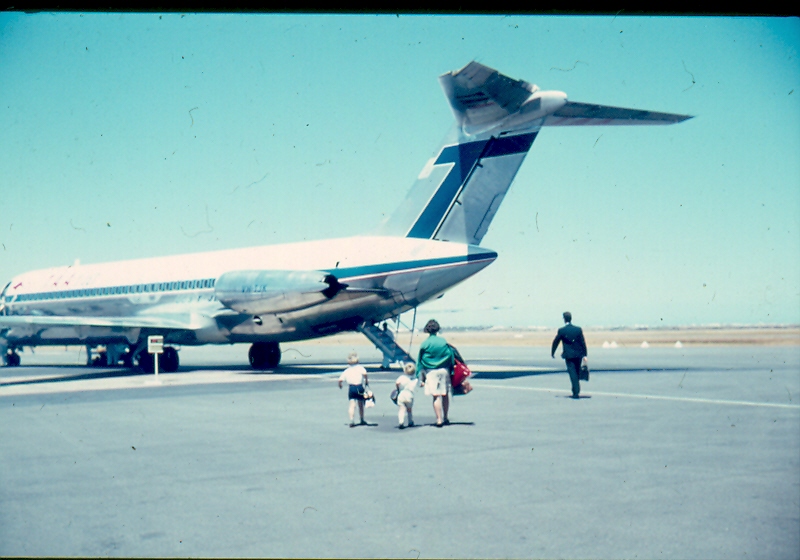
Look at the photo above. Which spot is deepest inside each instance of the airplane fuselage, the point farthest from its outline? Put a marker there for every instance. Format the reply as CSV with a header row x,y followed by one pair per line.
x,y
384,276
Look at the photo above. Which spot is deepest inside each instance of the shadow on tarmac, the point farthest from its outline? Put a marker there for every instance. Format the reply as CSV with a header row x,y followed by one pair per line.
x,y
104,374
307,369
133,372
432,425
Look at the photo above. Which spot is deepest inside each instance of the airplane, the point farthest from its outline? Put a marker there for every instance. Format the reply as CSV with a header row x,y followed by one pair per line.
x,y
272,294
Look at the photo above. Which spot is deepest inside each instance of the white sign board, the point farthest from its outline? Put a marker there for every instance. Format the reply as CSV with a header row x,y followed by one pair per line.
x,y
155,344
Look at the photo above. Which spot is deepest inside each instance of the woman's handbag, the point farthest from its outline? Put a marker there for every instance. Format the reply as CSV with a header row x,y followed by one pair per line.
x,y
459,378
394,396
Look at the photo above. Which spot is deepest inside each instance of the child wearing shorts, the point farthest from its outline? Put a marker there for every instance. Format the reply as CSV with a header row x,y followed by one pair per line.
x,y
406,384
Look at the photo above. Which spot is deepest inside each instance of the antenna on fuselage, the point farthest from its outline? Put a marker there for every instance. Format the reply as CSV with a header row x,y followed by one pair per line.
x,y
413,326
3,298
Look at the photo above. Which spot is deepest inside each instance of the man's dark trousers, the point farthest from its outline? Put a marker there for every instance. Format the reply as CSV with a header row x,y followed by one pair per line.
x,y
574,368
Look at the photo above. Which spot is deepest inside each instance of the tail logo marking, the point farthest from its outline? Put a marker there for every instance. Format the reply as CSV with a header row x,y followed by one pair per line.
x,y
463,158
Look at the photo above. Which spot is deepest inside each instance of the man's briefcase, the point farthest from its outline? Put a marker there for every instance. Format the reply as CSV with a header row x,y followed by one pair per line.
x,y
584,373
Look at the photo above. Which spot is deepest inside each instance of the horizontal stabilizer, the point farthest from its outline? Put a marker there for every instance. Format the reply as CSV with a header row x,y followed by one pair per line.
x,y
586,114
482,97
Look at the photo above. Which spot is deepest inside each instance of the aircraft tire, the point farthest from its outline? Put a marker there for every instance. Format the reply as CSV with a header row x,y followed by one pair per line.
x,y
12,359
127,359
265,355
147,363
169,361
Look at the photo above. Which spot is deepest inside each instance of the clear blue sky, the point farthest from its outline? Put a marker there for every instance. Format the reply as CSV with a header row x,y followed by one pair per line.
x,y
132,135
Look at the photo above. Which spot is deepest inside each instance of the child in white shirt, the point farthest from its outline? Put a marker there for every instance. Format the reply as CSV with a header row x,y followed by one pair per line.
x,y
356,377
406,384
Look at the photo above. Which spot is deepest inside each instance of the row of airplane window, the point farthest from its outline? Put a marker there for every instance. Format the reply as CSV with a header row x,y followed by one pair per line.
x,y
121,290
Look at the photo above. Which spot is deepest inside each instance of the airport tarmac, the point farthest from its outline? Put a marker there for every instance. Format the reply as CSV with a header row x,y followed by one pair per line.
x,y
689,452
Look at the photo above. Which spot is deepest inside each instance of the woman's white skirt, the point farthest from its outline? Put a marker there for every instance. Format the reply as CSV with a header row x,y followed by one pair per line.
x,y
437,382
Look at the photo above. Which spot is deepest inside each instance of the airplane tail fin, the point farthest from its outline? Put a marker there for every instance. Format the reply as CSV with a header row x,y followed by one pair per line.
x,y
460,189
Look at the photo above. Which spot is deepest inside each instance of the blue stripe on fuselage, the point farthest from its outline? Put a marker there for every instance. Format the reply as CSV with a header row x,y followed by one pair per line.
x,y
343,274
464,157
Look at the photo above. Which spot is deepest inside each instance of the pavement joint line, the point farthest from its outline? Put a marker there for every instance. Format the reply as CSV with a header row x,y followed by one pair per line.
x,y
327,370
138,382
649,397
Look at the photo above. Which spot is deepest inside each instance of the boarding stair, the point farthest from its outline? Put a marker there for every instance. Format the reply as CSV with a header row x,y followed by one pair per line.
x,y
384,341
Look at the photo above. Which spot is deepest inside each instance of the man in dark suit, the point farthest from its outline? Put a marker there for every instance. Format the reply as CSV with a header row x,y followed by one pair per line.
x,y
574,350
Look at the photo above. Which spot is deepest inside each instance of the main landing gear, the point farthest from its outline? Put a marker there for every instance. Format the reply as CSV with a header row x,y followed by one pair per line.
x,y
110,355
168,361
265,355
11,359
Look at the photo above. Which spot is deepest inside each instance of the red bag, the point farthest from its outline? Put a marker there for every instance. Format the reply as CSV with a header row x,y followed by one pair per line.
x,y
460,374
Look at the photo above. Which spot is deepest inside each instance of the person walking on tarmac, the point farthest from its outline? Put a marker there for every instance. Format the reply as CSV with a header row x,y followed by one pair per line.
x,y
434,365
356,377
573,351
405,385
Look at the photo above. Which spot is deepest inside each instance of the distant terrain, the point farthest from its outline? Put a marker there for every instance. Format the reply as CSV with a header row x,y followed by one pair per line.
x,y
622,337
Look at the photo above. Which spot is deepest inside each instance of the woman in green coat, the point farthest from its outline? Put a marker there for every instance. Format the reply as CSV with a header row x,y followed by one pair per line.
x,y
434,365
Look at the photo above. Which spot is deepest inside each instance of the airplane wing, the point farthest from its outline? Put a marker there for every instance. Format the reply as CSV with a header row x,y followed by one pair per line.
x,y
586,114
187,321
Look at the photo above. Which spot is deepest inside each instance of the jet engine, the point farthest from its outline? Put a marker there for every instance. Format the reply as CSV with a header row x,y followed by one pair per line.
x,y
259,292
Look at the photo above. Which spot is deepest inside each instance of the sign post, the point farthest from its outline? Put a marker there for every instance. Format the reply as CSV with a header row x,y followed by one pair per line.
x,y
155,346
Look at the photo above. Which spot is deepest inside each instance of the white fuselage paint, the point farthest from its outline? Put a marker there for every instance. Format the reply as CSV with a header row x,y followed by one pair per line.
x,y
385,276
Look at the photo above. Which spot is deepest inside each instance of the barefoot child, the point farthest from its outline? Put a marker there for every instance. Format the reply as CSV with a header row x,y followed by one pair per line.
x,y
406,384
